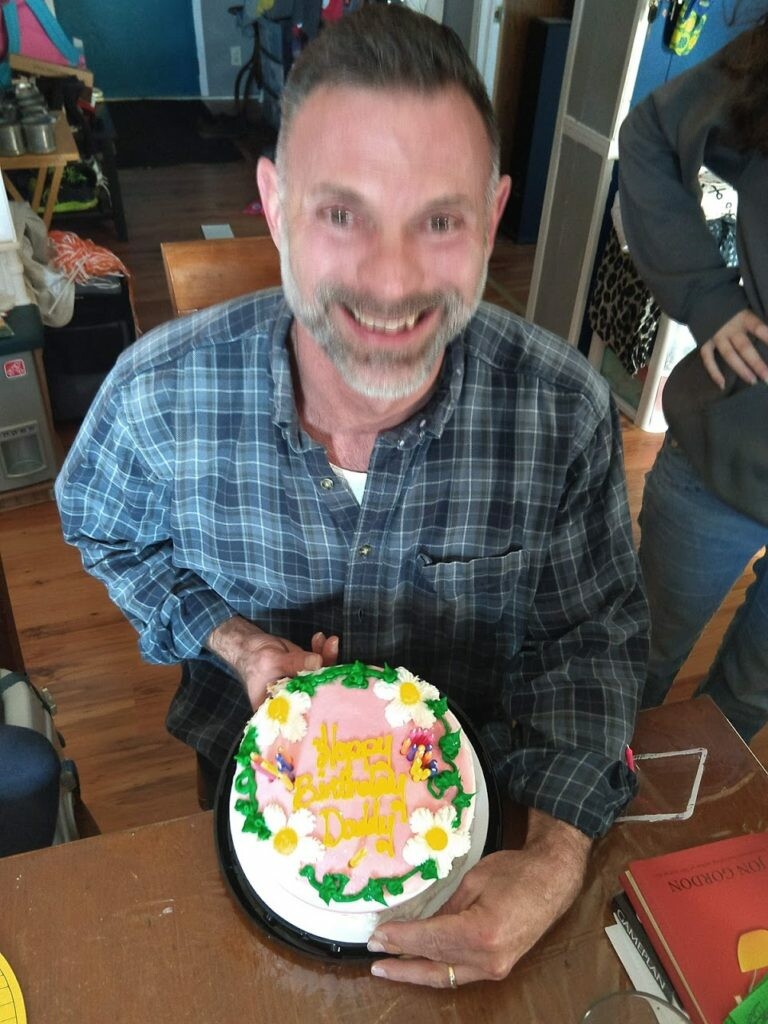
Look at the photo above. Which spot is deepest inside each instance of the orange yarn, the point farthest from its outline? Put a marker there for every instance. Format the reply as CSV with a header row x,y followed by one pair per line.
x,y
81,259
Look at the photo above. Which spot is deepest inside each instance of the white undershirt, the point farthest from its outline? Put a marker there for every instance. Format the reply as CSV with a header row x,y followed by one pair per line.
x,y
354,480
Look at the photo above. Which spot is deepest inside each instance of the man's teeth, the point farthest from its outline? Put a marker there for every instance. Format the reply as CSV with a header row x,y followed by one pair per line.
x,y
387,326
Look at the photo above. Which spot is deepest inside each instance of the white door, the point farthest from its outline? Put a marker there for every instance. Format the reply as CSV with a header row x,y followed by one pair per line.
x,y
604,51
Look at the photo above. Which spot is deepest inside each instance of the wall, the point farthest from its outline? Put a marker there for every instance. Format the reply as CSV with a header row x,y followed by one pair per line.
x,y
220,32
145,48
726,20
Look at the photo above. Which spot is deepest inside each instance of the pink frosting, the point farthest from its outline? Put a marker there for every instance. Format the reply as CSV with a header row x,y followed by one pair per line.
x,y
348,736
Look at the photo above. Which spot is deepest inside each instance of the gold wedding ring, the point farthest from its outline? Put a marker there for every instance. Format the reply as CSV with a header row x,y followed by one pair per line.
x,y
451,976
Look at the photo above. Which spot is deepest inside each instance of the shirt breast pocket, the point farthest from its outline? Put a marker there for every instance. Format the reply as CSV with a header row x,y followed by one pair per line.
x,y
485,588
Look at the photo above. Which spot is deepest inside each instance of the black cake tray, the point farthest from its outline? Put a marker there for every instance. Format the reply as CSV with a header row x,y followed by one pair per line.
x,y
285,932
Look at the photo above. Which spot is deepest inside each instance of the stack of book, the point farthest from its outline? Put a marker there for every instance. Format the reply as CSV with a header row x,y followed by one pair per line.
x,y
699,920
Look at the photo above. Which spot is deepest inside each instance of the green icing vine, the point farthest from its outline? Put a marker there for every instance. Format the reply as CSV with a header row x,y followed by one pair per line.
x,y
331,888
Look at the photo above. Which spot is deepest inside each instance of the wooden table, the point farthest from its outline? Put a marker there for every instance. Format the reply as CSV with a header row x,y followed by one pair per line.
x,y
138,925
66,152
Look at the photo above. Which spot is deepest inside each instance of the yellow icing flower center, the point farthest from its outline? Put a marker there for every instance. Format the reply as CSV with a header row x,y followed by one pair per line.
x,y
279,709
286,841
409,693
436,839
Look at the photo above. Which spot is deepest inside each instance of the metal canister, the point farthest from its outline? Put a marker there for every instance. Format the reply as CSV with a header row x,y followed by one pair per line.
x,y
11,138
39,133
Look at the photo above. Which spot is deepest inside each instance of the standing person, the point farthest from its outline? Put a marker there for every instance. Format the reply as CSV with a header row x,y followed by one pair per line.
x,y
705,505
371,464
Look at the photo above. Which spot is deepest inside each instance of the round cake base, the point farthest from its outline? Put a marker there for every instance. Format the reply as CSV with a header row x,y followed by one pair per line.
x,y
309,925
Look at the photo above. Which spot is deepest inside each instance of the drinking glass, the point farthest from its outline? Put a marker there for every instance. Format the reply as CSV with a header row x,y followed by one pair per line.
x,y
633,1008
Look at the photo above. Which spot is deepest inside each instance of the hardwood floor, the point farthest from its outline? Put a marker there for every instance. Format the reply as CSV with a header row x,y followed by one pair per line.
x,y
111,705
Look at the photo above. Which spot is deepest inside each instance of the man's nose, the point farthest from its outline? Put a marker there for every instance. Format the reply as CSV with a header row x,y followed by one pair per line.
x,y
391,269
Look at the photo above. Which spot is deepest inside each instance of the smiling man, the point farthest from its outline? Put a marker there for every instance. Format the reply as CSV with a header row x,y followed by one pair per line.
x,y
371,463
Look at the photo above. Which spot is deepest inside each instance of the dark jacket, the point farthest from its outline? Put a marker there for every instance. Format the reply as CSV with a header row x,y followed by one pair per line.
x,y
663,143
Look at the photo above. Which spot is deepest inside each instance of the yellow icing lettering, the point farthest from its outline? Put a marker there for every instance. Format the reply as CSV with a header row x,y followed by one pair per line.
x,y
323,748
331,838
333,752
304,791
336,783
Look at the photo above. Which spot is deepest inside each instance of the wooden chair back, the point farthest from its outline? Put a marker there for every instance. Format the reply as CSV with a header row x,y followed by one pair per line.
x,y
205,271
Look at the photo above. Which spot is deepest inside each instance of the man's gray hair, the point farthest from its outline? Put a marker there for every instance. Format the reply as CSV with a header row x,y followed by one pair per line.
x,y
386,46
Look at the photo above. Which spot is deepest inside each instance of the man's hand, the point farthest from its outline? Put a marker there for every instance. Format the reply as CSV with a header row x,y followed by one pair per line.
x,y
259,658
501,909
734,344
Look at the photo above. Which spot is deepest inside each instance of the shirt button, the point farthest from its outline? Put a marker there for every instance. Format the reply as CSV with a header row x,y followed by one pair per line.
x,y
327,483
423,424
360,614
401,443
365,550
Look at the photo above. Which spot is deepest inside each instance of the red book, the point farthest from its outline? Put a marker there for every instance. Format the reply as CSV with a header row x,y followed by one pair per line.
x,y
705,911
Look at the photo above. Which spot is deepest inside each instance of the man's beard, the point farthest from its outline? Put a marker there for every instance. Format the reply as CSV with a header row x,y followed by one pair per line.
x,y
379,372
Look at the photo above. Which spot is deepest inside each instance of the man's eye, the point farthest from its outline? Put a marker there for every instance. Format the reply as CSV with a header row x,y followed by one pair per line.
x,y
339,217
441,223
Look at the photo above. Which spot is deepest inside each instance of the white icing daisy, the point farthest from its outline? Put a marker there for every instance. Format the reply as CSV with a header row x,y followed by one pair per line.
x,y
434,836
282,714
407,699
291,838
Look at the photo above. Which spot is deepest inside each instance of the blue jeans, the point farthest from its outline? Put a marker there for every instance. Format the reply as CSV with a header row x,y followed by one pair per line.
x,y
29,790
693,549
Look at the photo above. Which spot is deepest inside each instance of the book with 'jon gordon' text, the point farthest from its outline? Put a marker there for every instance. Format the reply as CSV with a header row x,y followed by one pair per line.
x,y
705,911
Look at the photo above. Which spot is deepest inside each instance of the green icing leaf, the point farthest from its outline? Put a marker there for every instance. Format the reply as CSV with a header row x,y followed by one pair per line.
x,y
254,822
395,886
243,785
248,746
331,888
439,707
303,684
357,677
428,869
374,891
462,800
438,784
450,744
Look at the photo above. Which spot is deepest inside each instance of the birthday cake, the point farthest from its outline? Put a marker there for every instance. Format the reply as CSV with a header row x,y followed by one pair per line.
x,y
353,800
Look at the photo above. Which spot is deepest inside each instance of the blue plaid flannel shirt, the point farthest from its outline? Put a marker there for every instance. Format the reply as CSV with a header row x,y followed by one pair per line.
x,y
492,553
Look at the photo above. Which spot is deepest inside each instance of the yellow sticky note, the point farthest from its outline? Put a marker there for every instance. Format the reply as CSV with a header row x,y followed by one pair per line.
x,y
11,1001
752,950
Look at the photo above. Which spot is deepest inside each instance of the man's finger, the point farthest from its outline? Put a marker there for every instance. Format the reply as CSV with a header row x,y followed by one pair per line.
x,y
436,974
330,650
447,936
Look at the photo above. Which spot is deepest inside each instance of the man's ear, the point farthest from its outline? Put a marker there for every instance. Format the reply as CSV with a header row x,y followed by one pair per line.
x,y
266,179
499,202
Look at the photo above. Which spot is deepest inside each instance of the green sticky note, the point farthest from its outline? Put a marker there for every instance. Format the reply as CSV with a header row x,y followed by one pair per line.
x,y
753,1009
